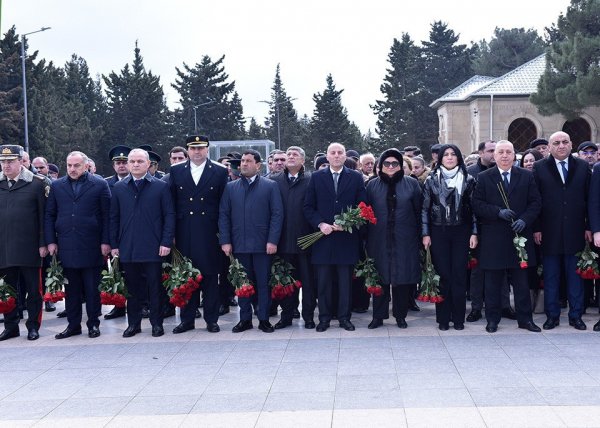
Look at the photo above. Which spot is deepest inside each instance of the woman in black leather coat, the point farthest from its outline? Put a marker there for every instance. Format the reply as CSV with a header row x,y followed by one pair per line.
x,y
449,227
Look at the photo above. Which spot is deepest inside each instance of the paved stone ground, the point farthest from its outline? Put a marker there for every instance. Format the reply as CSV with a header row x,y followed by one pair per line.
x,y
299,378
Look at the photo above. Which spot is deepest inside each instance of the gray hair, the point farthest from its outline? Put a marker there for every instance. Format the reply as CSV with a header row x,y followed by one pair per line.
x,y
297,149
139,151
78,153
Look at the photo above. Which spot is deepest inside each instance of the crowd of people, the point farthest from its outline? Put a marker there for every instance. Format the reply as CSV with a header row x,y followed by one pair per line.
x,y
523,218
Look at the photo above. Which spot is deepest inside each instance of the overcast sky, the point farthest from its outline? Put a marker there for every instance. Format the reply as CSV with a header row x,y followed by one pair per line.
x,y
310,38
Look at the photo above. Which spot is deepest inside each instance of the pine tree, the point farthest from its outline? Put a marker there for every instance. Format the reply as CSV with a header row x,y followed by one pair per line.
x,y
255,131
330,120
137,112
508,49
218,107
571,81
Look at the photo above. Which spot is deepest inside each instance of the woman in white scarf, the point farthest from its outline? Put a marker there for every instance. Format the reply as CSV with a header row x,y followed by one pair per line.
x,y
449,227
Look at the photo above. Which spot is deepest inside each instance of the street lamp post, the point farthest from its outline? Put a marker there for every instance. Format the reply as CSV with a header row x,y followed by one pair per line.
x,y
26,123
277,116
195,115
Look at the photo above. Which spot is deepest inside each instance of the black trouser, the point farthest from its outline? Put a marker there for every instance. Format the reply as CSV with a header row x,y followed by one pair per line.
x,y
401,295
82,282
226,291
210,292
450,251
32,284
494,281
302,272
143,280
325,287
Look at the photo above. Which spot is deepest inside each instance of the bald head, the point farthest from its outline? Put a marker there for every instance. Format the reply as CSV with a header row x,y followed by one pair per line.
x,y
560,145
336,156
504,154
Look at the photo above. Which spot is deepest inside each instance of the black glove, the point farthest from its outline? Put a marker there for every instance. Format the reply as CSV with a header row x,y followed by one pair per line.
x,y
518,226
506,214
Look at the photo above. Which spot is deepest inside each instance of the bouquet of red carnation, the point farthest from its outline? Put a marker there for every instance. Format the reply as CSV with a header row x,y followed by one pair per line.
x,y
429,290
112,285
54,282
282,283
366,269
239,278
8,297
180,279
353,217
587,266
472,262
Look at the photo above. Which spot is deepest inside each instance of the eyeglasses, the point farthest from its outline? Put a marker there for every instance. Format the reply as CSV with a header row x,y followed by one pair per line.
x,y
392,164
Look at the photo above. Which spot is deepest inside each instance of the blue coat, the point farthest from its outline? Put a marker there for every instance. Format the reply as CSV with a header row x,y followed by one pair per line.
x,y
141,222
321,204
78,224
251,216
197,208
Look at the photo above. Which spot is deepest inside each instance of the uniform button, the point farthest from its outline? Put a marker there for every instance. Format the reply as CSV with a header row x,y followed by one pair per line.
x,y
211,188
191,212
181,187
201,199
202,213
191,199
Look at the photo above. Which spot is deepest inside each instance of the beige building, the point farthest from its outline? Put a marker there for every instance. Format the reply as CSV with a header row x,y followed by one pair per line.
x,y
498,108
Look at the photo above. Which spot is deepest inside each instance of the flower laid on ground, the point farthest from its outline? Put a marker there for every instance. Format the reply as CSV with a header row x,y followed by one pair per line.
x,y
112,285
429,290
472,262
8,297
353,217
518,241
587,266
180,279
54,282
366,269
238,277
281,281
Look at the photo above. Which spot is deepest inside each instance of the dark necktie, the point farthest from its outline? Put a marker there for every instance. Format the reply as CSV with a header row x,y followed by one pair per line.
x,y
564,170
11,183
505,180
138,184
292,180
336,177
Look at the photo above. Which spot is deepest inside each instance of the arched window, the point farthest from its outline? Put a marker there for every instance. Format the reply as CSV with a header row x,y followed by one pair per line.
x,y
521,132
579,131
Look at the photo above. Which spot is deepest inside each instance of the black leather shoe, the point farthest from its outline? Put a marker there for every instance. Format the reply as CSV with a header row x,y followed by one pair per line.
x,y
509,313
68,332
157,330
114,313
551,323
232,302
444,327
459,326
597,326
132,330
530,325
213,327
347,325
198,313
311,324
33,334
577,323
412,305
265,327
61,314
242,326
474,316
223,310
183,327
296,314
145,312
491,327
377,322
169,311
93,332
50,306
282,324
323,326
401,323
9,334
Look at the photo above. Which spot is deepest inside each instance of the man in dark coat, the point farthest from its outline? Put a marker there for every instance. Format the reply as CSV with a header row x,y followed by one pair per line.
x,y
142,228
197,186
118,157
563,181
293,182
594,212
77,231
337,252
22,202
250,221
499,225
